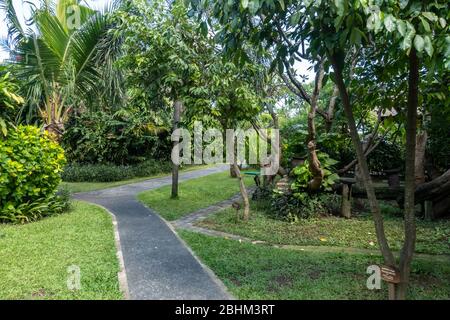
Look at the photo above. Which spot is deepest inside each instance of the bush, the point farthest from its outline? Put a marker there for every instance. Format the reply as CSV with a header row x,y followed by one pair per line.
x,y
292,207
303,175
110,172
122,138
35,210
30,167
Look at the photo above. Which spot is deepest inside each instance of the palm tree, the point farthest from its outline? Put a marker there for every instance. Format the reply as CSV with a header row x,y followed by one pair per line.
x,y
64,58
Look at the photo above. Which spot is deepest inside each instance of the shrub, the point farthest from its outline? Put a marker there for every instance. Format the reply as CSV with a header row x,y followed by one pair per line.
x,y
34,210
30,167
125,137
111,172
303,175
292,207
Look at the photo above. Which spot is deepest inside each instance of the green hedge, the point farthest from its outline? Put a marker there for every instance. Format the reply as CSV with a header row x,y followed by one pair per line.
x,y
30,167
110,172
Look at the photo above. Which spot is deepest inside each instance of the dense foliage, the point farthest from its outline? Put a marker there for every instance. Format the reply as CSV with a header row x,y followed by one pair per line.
x,y
123,137
30,168
110,172
10,100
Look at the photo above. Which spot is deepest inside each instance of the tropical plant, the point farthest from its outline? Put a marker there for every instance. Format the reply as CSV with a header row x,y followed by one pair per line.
x,y
303,175
63,57
10,100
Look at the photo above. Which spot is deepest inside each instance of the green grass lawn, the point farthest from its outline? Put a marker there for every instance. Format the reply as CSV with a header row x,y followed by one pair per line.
x,y
193,194
261,272
433,237
74,187
34,257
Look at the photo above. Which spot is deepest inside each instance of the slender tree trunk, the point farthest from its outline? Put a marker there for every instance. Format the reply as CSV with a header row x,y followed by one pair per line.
x,y
314,163
276,125
232,171
420,157
243,191
407,252
175,168
331,107
362,161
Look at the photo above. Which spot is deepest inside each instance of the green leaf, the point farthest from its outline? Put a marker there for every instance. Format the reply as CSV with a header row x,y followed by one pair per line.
x,y
294,19
355,36
442,22
253,6
374,22
406,43
419,43
401,27
403,4
244,4
428,45
340,5
425,24
3,127
389,23
281,2
430,16
204,28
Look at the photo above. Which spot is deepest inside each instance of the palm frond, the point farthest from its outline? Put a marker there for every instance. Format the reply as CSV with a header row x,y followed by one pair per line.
x,y
15,31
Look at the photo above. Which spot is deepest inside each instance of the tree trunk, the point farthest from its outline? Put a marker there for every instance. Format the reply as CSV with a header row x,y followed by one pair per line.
x,y
314,163
420,157
56,130
281,171
232,171
362,161
331,107
276,125
407,252
175,168
434,189
346,203
243,191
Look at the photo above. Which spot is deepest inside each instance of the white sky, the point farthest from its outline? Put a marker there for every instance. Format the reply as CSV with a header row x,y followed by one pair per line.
x,y
23,11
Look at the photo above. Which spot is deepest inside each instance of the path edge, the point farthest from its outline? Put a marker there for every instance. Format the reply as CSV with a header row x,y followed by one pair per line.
x,y
207,269
122,274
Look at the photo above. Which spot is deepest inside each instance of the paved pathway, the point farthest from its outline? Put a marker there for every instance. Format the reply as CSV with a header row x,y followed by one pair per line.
x,y
158,264
188,222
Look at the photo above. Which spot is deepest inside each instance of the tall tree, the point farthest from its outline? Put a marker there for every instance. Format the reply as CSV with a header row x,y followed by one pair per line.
x,y
333,29
165,55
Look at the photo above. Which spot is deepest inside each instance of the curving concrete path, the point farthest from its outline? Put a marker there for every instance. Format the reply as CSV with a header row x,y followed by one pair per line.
x,y
157,262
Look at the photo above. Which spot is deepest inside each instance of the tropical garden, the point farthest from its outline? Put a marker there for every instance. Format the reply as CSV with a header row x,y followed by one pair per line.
x,y
357,91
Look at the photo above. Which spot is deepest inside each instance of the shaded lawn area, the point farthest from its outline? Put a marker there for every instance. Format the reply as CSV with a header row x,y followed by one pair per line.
x,y
193,195
261,272
74,187
35,257
433,237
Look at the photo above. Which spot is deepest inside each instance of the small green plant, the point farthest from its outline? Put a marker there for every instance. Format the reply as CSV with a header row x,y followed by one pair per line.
x,y
34,210
298,203
303,175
